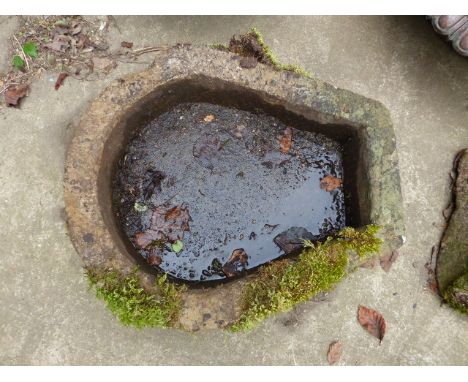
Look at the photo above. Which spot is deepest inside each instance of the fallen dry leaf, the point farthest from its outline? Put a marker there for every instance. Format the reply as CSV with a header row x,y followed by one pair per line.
x,y
60,80
387,260
126,44
209,118
206,149
152,182
286,140
154,260
168,224
14,93
60,43
291,241
372,321
330,183
75,28
236,263
179,215
334,352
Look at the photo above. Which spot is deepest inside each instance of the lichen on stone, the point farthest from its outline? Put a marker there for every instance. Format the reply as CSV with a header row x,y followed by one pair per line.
x,y
252,44
134,305
283,284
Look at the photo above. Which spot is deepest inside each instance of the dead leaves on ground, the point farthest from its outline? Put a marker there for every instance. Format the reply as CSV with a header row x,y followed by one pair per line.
x,y
286,140
168,224
372,321
330,183
126,44
52,43
14,94
387,260
60,80
334,352
73,35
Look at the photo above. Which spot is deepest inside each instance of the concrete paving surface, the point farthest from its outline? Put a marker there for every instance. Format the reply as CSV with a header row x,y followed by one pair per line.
x,y
49,317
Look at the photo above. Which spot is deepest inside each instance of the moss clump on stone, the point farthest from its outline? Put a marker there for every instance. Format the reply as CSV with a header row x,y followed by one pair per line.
x,y
132,304
283,284
457,294
252,44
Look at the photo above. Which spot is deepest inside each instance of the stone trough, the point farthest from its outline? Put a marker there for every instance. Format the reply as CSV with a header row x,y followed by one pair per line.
x,y
362,126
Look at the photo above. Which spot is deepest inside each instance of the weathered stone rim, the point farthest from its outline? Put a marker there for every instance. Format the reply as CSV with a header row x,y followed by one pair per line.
x,y
92,229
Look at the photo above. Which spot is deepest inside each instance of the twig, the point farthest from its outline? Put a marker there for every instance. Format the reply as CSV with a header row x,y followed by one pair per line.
x,y
22,52
5,88
149,49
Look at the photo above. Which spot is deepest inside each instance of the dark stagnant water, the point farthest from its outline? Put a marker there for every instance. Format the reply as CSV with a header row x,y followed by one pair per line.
x,y
225,168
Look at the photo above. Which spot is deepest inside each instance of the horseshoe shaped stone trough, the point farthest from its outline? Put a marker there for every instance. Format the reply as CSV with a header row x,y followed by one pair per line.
x,y
201,74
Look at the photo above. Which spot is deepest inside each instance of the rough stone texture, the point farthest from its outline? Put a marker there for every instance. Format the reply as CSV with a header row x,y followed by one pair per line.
x,y
7,23
312,98
47,314
452,259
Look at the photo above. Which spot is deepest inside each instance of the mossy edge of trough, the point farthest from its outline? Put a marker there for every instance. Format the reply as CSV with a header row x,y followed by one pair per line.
x,y
278,287
283,284
133,304
273,61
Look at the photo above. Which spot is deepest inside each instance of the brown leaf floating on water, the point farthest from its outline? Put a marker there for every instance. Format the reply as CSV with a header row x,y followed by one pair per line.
x,y
236,263
286,140
372,321
60,80
334,352
330,183
387,260
154,260
206,149
209,118
14,94
152,182
179,216
168,224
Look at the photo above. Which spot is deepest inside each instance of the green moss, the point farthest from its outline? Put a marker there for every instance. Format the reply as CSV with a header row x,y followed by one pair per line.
x,y
274,61
364,243
460,286
283,284
132,304
265,53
